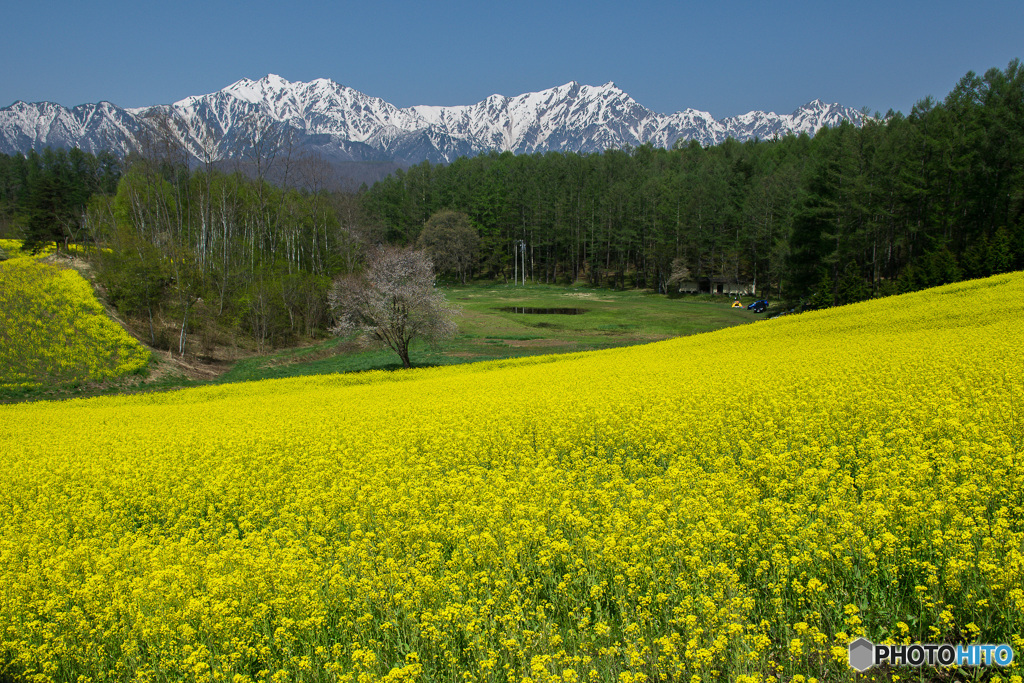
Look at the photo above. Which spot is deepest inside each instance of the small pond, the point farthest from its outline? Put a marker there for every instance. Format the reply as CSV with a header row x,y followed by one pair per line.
x,y
543,311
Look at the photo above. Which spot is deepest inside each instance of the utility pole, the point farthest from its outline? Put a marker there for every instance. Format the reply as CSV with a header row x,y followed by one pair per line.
x,y
522,252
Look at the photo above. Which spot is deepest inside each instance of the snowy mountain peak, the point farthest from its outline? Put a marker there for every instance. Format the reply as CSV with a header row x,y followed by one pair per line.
x,y
269,87
343,124
273,88
813,105
244,89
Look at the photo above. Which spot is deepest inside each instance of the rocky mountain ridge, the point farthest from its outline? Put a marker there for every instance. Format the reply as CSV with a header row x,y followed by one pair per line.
x,y
343,124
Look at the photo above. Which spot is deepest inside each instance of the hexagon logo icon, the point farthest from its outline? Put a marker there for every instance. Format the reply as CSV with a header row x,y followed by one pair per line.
x,y
862,654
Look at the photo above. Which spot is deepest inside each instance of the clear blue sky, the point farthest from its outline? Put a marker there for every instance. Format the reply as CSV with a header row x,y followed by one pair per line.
x,y
725,57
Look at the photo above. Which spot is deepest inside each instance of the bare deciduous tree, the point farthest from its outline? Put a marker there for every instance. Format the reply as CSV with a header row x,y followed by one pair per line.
x,y
680,273
393,301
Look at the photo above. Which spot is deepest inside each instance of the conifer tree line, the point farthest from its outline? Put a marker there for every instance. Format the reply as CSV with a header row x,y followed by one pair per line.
x,y
902,203
199,254
43,194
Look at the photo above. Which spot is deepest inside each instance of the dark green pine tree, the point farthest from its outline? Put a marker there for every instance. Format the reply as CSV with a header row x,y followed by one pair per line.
x,y
1000,255
44,212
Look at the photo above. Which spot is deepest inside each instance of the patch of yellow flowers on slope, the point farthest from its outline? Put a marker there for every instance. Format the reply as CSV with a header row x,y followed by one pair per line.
x,y
52,328
736,505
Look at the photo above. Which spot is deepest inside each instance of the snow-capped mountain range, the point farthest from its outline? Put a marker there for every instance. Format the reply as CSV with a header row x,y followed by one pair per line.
x,y
343,124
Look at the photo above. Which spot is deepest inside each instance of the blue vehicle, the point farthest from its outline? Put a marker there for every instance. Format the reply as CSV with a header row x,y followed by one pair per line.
x,y
759,306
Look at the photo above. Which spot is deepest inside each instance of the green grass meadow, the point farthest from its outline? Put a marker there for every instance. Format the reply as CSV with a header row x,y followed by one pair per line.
x,y
611,318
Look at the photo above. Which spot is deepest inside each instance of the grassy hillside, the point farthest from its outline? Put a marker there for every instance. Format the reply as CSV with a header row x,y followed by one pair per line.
x,y
53,331
733,505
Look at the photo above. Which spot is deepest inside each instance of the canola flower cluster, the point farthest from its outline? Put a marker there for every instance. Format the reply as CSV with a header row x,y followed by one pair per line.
x,y
12,249
52,328
737,505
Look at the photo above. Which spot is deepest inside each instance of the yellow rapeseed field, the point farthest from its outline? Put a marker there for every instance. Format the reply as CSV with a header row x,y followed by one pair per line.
x,y
52,328
737,505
